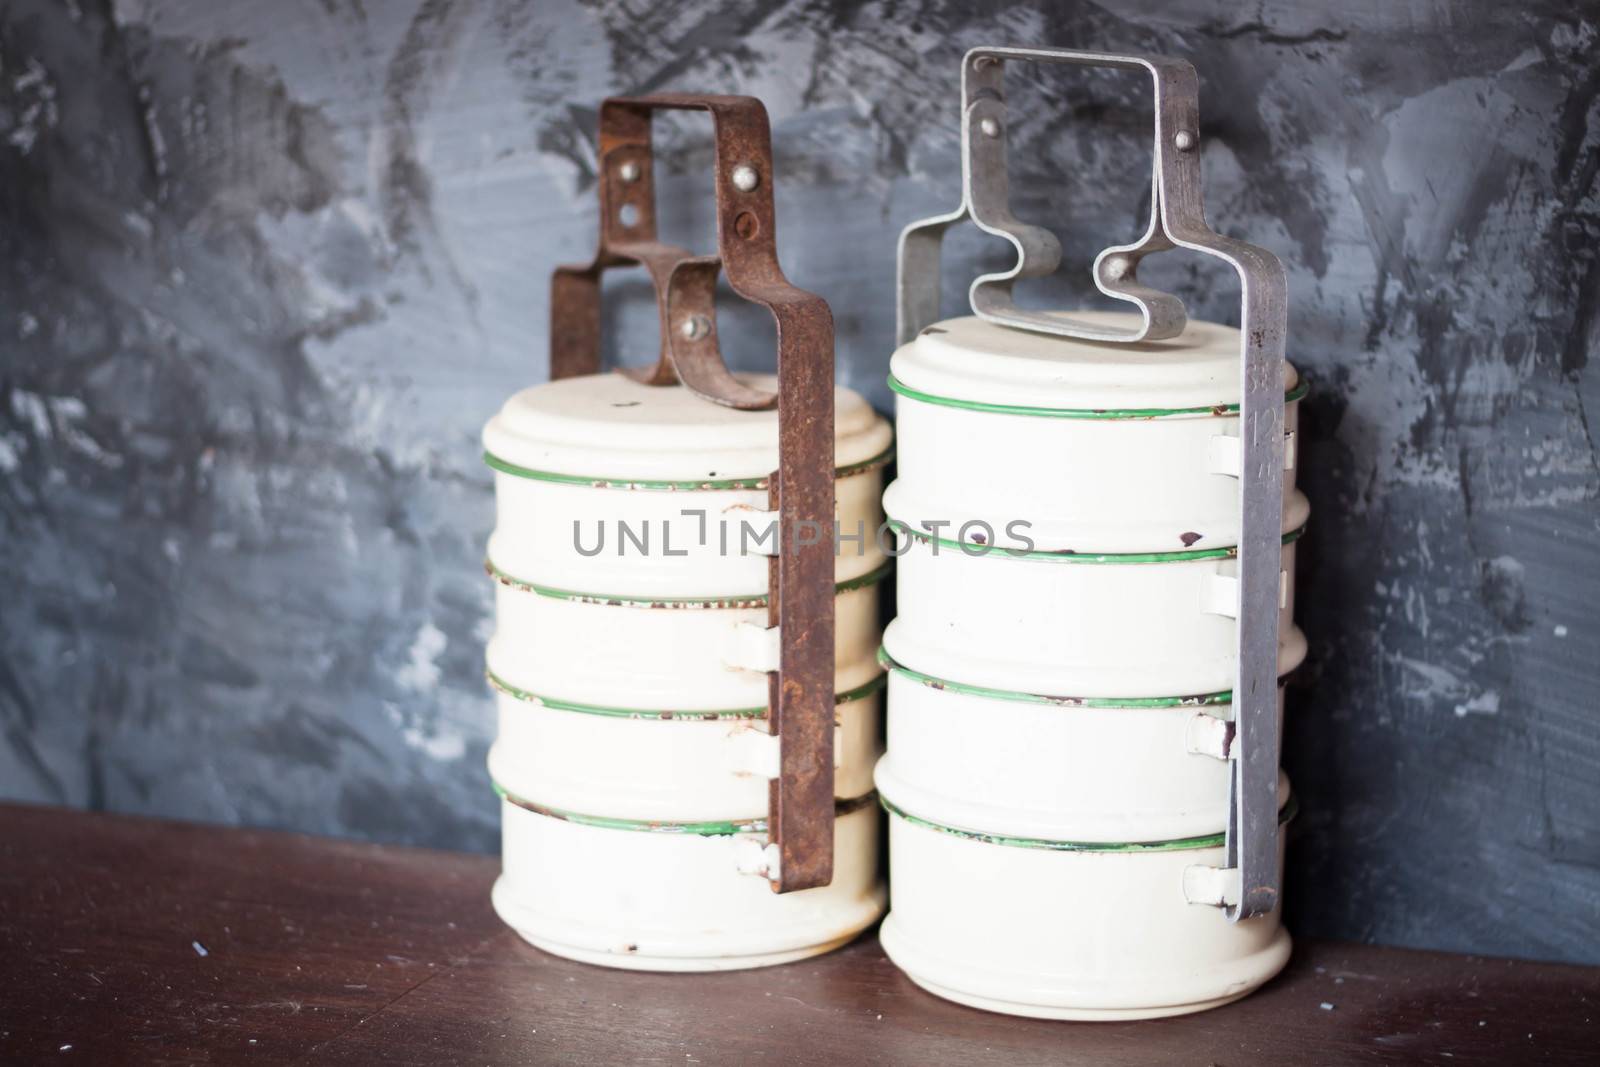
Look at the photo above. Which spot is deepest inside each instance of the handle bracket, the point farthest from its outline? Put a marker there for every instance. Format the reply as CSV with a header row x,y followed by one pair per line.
x,y
801,491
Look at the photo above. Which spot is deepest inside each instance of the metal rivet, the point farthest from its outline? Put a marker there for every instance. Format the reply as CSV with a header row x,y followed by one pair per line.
x,y
629,171
990,128
745,178
1117,268
695,327
1184,140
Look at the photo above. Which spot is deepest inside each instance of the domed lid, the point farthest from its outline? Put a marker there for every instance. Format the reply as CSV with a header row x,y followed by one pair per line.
x,y
610,428
970,361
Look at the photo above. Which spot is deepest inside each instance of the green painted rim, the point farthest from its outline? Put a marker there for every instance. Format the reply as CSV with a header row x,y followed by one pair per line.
x,y
1288,812
501,685
1199,701
716,828
872,577
1301,388
1187,556
761,481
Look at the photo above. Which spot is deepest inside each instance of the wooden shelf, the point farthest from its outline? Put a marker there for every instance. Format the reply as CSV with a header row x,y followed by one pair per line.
x,y
135,940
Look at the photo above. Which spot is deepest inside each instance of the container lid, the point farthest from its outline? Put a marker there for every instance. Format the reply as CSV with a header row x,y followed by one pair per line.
x,y
609,428
970,360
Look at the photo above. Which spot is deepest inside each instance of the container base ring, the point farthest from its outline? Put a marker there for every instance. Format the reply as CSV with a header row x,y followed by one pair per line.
x,y
681,964
1264,964
536,934
1076,1015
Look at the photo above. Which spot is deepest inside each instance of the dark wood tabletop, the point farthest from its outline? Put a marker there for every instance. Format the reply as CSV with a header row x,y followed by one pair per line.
x,y
126,940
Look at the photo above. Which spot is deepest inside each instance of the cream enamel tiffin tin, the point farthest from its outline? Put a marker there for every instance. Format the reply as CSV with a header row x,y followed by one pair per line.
x,y
630,659
1083,930
1060,665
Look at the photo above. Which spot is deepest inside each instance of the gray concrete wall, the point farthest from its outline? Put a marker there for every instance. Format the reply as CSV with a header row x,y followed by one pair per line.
x,y
265,268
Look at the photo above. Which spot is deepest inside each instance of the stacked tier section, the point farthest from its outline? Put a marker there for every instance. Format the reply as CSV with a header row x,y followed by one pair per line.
x,y
1058,766
630,660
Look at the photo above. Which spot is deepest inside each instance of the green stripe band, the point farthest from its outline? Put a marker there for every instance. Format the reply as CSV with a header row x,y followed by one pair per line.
x,y
1199,701
759,600
758,481
1289,811
982,551
860,692
716,828
1300,389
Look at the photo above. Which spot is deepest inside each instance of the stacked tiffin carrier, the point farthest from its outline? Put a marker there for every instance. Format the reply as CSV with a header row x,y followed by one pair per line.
x,y
1060,723
689,701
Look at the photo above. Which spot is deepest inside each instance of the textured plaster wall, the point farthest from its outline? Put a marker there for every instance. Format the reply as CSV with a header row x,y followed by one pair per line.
x,y
265,268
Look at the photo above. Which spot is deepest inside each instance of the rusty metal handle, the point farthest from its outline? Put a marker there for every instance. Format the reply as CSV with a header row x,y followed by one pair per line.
x,y
685,284
801,492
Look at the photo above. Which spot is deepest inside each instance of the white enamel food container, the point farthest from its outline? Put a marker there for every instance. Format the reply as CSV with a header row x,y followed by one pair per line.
x,y
1160,627
630,661
1069,930
1150,465
1087,769
1061,736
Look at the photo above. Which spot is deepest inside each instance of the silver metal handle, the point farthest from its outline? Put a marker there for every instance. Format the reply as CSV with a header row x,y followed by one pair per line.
x,y
1177,220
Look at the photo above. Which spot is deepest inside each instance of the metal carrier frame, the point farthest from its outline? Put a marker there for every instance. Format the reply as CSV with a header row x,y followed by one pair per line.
x,y
1177,220
801,492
